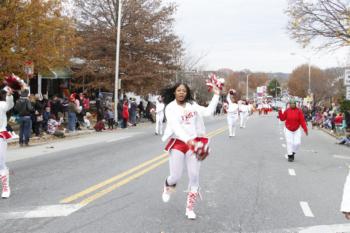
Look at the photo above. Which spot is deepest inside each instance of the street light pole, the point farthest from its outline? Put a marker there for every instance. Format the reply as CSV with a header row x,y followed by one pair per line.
x,y
116,82
309,90
247,94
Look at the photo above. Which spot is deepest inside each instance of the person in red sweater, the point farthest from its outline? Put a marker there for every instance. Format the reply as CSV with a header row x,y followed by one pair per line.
x,y
294,119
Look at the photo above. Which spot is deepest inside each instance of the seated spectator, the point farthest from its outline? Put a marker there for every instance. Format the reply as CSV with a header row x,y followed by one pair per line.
x,y
52,127
87,122
99,126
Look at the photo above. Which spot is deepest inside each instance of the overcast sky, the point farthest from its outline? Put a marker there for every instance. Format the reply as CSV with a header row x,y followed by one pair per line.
x,y
244,34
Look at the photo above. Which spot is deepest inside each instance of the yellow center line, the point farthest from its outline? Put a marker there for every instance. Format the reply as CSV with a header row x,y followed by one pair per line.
x,y
120,183
122,175
110,180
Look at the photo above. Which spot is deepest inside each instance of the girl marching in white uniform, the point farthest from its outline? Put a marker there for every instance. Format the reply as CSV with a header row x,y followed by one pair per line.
x,y
6,103
232,113
243,112
184,127
159,115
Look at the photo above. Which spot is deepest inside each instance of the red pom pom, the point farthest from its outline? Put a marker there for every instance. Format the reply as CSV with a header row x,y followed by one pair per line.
x,y
14,82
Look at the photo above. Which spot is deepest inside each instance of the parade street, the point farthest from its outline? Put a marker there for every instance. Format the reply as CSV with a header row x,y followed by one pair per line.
x,y
113,181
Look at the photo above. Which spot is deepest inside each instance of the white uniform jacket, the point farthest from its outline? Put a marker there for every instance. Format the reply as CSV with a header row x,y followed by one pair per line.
x,y
186,123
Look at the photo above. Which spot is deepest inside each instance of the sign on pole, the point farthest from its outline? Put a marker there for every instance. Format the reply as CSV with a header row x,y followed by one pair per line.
x,y
347,78
29,68
348,93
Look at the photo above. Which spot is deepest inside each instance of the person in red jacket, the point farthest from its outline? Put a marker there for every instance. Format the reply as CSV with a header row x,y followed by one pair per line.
x,y
125,113
294,118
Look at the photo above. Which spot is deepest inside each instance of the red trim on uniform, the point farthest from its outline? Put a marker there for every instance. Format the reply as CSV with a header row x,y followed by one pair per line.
x,y
5,135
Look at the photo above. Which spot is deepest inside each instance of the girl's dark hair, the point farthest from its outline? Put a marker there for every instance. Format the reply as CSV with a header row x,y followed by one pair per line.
x,y
168,94
3,94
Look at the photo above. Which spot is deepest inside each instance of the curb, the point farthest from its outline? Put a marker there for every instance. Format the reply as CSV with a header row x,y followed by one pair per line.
x,y
50,138
328,132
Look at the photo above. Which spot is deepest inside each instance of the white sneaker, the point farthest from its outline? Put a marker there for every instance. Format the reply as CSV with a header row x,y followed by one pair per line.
x,y
168,190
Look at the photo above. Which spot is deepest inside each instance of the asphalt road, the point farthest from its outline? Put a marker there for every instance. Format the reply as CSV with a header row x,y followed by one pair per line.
x,y
112,182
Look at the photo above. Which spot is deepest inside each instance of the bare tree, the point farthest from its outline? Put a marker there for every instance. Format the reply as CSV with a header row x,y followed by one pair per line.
x,y
325,22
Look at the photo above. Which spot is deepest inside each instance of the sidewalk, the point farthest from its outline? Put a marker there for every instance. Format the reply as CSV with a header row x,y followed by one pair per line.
x,y
47,138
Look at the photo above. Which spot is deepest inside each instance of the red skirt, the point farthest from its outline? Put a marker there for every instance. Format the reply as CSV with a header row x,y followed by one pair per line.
x,y
177,144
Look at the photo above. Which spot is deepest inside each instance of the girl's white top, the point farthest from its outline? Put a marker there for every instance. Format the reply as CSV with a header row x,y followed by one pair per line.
x,y
160,108
186,123
232,108
345,205
4,107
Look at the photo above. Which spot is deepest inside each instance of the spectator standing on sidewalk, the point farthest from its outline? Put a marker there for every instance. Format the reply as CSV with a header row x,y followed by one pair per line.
x,y
141,109
133,111
72,114
120,114
46,117
99,107
56,106
38,114
6,103
109,117
125,113
24,109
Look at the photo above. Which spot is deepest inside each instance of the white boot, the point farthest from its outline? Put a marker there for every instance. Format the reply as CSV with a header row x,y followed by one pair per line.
x,y
167,191
5,181
191,201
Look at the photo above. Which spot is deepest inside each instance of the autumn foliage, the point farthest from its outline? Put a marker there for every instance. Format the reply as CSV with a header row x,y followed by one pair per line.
x,y
34,31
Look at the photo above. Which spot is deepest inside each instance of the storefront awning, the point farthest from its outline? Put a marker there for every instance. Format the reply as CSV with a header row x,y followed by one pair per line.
x,y
57,73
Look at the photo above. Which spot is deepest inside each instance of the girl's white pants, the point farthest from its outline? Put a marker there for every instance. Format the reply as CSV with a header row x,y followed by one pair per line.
x,y
232,122
243,119
159,123
293,140
177,161
3,148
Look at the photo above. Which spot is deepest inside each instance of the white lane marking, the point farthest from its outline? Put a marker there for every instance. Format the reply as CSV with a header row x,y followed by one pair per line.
x,y
291,172
118,139
283,145
49,211
306,209
281,138
337,228
286,156
341,157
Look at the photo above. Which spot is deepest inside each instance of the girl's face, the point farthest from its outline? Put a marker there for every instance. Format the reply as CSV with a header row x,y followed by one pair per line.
x,y
180,93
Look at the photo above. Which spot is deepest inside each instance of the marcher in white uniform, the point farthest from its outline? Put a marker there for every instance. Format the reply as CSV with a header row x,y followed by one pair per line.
x,y
184,125
250,109
345,205
6,103
232,113
243,113
159,115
